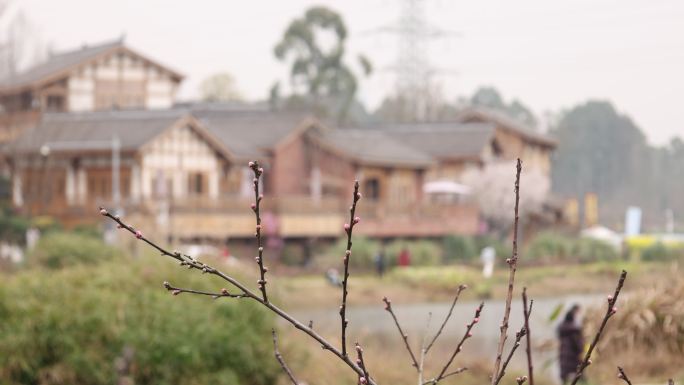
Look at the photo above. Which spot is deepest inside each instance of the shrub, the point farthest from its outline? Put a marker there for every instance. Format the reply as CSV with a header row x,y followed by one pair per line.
x,y
549,246
660,252
590,250
57,250
459,248
71,326
364,250
12,227
423,253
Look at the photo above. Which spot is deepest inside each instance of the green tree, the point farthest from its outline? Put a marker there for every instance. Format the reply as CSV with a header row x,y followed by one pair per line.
x,y
491,98
319,77
604,152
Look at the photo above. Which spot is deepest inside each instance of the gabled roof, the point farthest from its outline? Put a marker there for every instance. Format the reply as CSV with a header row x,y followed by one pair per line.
x,y
443,140
374,147
250,133
93,131
481,114
60,64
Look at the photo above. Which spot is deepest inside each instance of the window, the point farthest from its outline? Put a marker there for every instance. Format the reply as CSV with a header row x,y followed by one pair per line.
x,y
197,183
371,188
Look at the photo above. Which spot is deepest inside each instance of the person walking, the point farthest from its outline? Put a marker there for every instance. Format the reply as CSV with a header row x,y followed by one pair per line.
x,y
404,258
571,344
379,260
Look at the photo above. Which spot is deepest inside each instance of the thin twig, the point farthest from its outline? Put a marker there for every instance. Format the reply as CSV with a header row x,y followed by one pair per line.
x,y
280,359
423,349
404,336
348,228
623,376
224,292
446,319
512,264
528,338
256,207
365,379
455,372
192,263
466,335
610,311
518,336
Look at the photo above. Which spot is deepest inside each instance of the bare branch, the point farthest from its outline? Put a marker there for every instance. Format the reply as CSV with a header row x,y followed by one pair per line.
x,y
446,319
423,350
404,336
466,335
528,338
280,359
224,292
623,376
518,336
256,207
191,263
610,311
365,379
512,264
348,228
455,372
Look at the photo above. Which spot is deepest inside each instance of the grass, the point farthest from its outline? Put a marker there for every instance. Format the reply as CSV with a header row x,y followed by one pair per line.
x,y
426,284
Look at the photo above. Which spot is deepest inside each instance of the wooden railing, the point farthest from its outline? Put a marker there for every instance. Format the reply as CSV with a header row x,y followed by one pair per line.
x,y
12,124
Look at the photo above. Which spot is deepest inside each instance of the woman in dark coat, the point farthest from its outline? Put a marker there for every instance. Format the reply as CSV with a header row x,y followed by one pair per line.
x,y
571,345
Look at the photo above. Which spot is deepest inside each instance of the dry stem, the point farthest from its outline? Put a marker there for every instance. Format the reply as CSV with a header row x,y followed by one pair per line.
x,y
512,264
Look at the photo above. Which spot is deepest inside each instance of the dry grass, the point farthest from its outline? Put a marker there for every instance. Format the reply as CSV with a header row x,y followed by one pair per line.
x,y
646,336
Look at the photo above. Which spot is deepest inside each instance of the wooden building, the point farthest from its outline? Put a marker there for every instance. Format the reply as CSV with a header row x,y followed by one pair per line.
x,y
92,78
183,173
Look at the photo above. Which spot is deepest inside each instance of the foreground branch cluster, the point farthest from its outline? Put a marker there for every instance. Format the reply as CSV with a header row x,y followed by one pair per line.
x,y
239,290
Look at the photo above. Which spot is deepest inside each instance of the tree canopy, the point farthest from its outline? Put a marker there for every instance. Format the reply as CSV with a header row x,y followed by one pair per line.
x,y
315,45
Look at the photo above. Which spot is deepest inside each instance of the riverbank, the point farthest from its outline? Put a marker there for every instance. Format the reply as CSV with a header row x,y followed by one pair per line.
x,y
438,284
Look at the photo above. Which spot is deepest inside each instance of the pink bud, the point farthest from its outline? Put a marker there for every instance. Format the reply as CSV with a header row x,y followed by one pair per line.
x,y
261,170
119,226
476,320
348,252
224,291
251,164
346,226
103,211
359,349
470,334
253,206
358,195
255,180
357,220
362,380
614,310
258,227
610,298
138,234
176,292
508,260
261,196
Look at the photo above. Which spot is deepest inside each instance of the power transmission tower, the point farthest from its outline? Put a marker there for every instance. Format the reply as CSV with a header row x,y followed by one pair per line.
x,y
414,72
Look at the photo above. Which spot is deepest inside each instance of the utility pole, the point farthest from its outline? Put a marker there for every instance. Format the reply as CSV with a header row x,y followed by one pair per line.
x,y
116,177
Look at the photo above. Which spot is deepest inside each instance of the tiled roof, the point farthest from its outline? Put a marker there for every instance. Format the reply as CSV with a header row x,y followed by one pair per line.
x,y
249,133
58,63
442,140
481,114
88,131
375,147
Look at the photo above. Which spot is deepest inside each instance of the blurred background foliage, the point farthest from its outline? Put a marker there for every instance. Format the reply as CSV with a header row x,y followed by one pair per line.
x,y
102,318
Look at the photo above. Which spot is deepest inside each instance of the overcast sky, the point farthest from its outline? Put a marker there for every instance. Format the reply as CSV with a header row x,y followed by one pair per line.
x,y
549,54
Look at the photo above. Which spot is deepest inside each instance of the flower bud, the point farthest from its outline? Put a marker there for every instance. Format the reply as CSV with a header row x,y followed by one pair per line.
x,y
251,164
261,170
224,291
138,234
103,211
176,292
166,284
362,380
610,298
357,220
253,206
359,349
119,226
476,320
346,226
358,196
